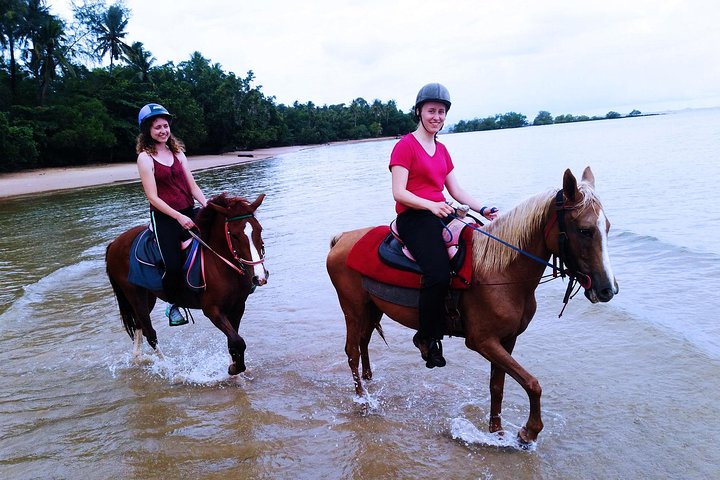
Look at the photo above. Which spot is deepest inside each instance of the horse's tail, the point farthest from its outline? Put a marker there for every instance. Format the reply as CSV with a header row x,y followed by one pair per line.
x,y
126,311
335,239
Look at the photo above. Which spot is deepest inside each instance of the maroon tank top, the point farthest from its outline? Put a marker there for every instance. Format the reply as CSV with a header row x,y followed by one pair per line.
x,y
172,185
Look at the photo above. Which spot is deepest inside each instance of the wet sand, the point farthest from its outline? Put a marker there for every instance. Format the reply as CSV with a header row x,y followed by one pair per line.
x,y
54,179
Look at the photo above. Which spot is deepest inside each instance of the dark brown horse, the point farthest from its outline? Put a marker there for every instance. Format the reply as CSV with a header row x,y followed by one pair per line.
x,y
500,302
234,266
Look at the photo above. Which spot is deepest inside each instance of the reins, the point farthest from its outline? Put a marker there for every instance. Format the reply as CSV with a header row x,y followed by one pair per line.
x,y
202,242
242,261
561,257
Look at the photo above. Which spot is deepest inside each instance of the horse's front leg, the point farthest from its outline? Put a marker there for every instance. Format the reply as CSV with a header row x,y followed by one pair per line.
x,y
236,344
500,358
497,389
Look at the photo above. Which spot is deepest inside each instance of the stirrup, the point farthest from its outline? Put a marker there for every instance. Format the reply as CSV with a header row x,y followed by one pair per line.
x,y
175,317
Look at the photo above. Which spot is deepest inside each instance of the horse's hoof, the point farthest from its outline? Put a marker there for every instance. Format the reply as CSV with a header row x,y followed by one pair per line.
x,y
234,369
524,440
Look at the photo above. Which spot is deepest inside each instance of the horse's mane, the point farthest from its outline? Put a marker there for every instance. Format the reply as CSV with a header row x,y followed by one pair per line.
x,y
206,215
518,227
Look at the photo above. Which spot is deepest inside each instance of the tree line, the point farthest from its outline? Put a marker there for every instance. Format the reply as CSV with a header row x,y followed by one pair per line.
x,y
59,107
516,120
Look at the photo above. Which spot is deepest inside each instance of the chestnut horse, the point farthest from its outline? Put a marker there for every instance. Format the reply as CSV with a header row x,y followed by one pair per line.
x,y
500,302
234,258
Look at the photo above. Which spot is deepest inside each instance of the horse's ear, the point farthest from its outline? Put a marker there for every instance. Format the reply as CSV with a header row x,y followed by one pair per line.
x,y
254,205
588,177
570,186
217,208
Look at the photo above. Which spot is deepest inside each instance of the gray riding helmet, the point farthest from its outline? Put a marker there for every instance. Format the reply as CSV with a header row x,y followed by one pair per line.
x,y
433,92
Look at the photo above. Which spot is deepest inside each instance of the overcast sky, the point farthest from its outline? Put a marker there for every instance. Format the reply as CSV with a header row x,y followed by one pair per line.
x,y
574,56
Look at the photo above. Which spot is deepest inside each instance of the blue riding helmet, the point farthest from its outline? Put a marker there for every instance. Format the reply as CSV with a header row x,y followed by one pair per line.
x,y
152,110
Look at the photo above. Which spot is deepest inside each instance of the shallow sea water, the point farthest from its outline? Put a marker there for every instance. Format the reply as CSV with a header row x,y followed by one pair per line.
x,y
629,387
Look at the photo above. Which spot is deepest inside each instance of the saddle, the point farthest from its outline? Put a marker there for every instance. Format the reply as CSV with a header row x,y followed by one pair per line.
x,y
147,268
389,272
380,256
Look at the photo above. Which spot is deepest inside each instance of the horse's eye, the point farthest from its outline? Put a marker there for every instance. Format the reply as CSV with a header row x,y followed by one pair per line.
x,y
586,232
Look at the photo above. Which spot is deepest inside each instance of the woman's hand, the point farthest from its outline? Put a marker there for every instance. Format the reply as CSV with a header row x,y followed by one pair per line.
x,y
440,209
490,213
185,222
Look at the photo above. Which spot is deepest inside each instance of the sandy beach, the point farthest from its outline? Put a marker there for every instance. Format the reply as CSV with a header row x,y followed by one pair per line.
x,y
54,179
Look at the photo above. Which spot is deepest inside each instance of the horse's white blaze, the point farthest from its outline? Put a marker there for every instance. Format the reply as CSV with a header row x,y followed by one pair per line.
x,y
602,222
259,269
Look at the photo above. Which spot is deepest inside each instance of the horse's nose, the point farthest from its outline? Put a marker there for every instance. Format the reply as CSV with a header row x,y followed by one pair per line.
x,y
260,280
606,294
261,275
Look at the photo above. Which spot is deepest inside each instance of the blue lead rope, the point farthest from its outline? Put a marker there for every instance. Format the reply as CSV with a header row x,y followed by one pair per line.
x,y
527,254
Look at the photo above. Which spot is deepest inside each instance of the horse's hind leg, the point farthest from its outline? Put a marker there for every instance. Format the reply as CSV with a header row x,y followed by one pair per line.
x,y
359,323
142,305
137,344
372,317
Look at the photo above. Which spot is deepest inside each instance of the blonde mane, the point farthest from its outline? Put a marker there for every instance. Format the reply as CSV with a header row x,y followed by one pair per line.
x,y
518,227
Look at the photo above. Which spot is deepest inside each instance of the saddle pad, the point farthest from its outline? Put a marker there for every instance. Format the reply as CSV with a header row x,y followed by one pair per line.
x,y
407,297
146,268
364,258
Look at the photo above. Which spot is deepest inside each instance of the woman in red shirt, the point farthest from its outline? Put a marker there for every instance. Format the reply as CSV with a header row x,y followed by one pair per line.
x,y
421,169
171,189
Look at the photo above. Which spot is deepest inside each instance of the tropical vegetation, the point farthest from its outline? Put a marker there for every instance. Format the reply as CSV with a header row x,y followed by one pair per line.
x,y
60,106
70,91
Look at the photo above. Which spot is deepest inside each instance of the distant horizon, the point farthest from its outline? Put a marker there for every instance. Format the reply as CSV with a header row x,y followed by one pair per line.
x,y
582,58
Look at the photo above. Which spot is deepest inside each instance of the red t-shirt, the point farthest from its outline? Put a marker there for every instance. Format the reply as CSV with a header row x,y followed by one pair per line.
x,y
426,174
172,185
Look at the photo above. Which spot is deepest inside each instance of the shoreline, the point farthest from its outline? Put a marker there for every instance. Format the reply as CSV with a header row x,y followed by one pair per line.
x,y
51,180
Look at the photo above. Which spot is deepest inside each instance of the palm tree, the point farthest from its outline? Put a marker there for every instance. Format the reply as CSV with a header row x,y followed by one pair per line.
x,y
110,29
12,32
48,54
141,60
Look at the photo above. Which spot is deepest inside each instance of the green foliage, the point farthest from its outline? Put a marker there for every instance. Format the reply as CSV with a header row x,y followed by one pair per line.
x,y
612,114
55,109
567,118
507,120
543,118
17,147
634,113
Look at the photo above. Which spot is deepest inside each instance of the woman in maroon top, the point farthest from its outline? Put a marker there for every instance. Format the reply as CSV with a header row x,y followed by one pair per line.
x,y
421,169
171,189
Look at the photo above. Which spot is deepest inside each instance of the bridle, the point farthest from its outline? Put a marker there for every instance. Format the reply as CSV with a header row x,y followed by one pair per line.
x,y
241,268
234,252
563,257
